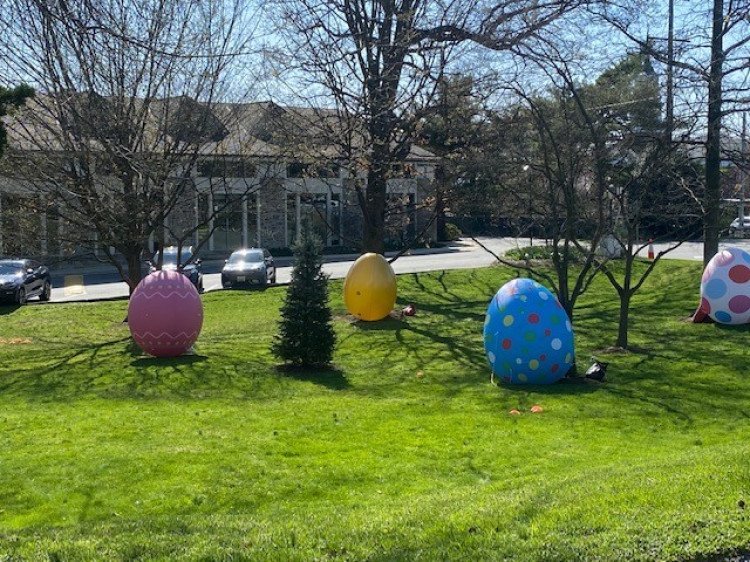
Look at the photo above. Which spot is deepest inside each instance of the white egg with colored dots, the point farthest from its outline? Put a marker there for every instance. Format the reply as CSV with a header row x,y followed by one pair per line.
x,y
528,337
725,287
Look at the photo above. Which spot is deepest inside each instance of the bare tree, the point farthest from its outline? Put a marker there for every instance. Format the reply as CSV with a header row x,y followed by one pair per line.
x,y
378,63
652,200
589,167
126,91
553,161
713,62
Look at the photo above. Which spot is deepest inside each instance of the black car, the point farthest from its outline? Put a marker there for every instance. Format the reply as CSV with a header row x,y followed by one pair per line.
x,y
190,268
21,280
249,265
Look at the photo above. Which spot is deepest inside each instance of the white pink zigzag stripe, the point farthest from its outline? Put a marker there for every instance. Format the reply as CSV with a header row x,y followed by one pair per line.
x,y
149,296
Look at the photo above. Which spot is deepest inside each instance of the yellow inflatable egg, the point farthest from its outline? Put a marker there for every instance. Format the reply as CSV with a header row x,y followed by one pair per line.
x,y
370,288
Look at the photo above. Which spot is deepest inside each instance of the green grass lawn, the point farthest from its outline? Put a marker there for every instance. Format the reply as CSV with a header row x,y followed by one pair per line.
x,y
405,451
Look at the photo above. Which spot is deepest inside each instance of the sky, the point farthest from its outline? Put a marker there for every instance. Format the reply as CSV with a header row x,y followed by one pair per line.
x,y
260,74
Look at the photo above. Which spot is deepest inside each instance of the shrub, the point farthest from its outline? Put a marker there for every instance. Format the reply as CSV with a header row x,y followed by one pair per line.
x,y
306,337
452,232
540,253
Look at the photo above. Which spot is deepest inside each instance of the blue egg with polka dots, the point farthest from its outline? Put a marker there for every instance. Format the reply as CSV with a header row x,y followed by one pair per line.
x,y
528,338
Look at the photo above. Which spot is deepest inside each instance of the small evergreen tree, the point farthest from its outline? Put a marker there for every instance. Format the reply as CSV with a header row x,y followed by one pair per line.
x,y
306,337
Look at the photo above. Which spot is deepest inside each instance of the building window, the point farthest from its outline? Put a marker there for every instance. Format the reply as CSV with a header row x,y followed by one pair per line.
x,y
296,170
325,170
226,168
312,209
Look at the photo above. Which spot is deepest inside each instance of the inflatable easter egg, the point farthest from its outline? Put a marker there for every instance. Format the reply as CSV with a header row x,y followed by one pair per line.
x,y
370,288
165,314
725,287
528,338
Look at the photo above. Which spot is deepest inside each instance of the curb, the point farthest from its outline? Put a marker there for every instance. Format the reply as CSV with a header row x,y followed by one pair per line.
x,y
283,261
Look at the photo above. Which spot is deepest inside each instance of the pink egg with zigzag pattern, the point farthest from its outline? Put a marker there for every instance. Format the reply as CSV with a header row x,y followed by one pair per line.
x,y
165,314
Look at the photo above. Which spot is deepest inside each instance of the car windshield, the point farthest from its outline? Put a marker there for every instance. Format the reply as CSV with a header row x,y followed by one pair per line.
x,y
170,257
10,268
246,257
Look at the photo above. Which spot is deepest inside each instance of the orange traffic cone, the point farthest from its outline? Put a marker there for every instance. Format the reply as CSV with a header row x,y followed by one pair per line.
x,y
650,248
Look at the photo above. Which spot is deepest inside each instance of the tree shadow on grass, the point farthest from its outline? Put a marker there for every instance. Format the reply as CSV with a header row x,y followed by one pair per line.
x,y
117,369
8,309
330,377
565,387
442,292
737,329
387,324
148,361
463,310
47,382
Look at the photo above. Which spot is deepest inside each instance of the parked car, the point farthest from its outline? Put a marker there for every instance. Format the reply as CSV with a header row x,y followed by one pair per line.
x,y
192,269
21,280
249,265
735,225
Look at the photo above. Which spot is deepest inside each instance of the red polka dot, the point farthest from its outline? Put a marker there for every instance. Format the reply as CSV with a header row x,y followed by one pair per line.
x,y
542,357
534,318
548,332
740,274
705,306
554,368
739,304
506,343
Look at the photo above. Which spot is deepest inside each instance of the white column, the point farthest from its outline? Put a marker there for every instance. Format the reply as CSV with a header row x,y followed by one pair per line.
x,y
43,228
298,215
328,217
151,241
1,223
211,221
416,206
342,206
257,218
286,217
245,242
96,243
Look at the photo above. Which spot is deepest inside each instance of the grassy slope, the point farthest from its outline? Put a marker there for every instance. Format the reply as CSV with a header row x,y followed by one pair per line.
x,y
105,454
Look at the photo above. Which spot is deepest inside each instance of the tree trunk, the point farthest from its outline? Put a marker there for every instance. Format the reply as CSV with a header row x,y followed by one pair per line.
x,y
622,328
562,265
373,237
134,270
712,203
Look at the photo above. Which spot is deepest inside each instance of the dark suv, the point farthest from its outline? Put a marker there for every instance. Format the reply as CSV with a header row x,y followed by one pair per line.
x,y
21,280
192,269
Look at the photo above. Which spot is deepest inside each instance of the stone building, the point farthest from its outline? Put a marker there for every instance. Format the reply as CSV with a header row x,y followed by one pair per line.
x,y
253,184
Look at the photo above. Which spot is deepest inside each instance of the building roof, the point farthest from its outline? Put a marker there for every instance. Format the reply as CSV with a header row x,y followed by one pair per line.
x,y
257,129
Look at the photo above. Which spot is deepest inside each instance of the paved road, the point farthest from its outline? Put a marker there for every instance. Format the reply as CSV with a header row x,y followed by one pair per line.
x,y
461,257
466,256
